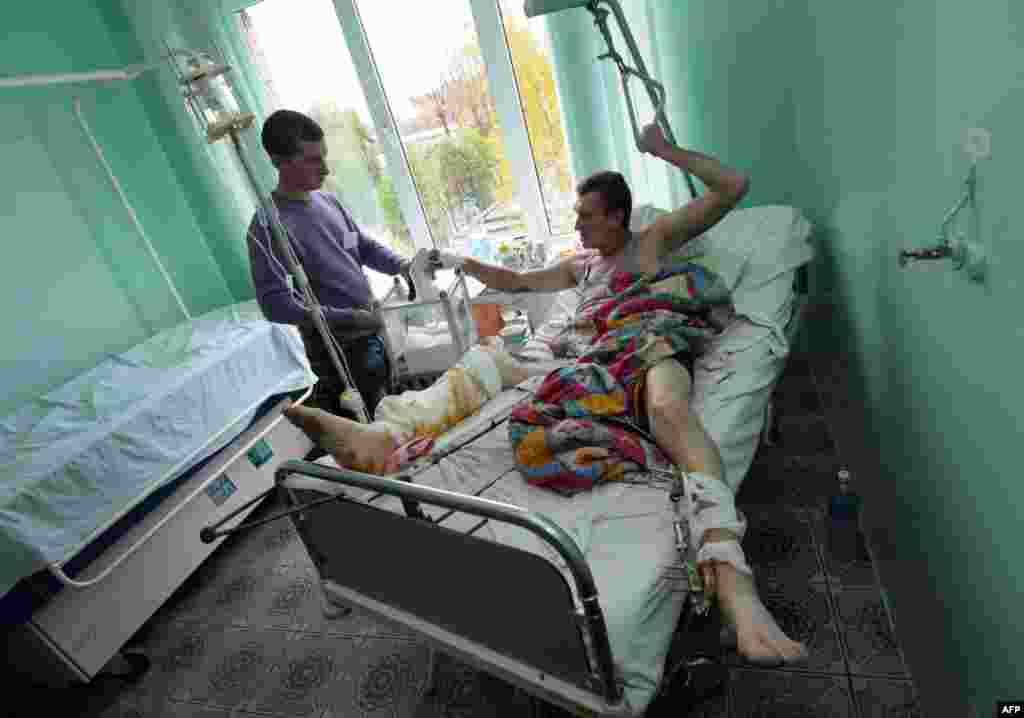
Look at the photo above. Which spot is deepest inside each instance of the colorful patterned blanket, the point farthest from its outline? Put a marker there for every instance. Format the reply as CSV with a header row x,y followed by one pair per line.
x,y
582,425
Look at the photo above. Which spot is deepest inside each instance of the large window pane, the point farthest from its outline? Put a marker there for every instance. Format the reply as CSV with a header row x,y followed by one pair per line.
x,y
535,77
299,50
430,63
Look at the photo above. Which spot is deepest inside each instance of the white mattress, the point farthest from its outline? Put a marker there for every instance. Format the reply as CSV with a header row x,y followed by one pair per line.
x,y
74,461
624,531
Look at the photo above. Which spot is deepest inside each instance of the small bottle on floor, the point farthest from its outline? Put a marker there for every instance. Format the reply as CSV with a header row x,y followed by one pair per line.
x,y
844,521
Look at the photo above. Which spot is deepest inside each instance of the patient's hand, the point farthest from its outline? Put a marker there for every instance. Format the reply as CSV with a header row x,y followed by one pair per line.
x,y
652,139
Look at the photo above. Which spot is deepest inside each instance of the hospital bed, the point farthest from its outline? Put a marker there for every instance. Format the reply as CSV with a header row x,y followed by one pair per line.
x,y
106,481
574,599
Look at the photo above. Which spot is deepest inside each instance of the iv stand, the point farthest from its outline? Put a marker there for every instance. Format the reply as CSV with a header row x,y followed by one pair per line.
x,y
301,280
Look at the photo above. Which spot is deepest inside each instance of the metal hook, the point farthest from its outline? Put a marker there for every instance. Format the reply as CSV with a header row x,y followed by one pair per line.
x,y
945,248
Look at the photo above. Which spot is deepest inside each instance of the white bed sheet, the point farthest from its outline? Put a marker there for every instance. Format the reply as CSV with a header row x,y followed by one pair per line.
x,y
75,460
624,531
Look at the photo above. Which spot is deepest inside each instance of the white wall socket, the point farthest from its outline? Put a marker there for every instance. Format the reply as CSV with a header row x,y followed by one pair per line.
x,y
978,144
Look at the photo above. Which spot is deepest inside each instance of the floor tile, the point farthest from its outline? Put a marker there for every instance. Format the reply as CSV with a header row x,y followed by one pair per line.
x,y
803,434
796,393
171,709
845,559
878,698
871,645
804,482
375,676
715,707
779,545
805,614
458,690
777,694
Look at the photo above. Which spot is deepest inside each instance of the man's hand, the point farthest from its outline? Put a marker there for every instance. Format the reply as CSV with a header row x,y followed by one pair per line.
x,y
652,139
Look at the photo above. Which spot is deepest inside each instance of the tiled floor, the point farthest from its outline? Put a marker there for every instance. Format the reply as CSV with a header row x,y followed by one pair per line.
x,y
246,635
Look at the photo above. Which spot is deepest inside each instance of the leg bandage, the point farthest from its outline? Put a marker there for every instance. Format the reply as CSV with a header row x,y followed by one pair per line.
x,y
724,552
713,506
459,393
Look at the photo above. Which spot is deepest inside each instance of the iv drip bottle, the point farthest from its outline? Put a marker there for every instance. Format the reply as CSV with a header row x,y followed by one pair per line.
x,y
844,522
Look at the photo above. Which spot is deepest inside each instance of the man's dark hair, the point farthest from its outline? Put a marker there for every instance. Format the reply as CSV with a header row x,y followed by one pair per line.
x,y
613,190
286,130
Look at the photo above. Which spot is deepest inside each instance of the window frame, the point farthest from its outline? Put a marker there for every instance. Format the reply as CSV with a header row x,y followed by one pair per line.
x,y
497,58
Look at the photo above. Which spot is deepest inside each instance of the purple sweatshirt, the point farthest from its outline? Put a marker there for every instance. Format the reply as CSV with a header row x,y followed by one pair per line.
x,y
332,250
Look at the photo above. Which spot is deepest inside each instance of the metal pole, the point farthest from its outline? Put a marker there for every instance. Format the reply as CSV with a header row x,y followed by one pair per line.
x,y
295,267
653,86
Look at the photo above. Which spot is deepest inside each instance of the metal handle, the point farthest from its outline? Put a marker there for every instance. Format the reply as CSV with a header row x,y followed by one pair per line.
x,y
57,569
655,90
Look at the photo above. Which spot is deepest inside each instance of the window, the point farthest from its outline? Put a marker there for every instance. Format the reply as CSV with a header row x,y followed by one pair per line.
x,y
448,124
295,76
529,47
434,137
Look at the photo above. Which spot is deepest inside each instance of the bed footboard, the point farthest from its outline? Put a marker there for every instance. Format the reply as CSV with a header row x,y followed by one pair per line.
x,y
504,608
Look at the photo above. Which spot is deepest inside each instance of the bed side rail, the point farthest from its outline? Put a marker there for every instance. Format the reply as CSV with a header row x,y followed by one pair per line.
x,y
483,600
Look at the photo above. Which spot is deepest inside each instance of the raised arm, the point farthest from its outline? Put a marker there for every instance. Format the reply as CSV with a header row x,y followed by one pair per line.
x,y
550,279
725,188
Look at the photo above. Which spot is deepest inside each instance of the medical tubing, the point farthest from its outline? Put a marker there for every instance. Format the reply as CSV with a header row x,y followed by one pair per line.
x,y
641,72
128,207
281,275
316,312
544,528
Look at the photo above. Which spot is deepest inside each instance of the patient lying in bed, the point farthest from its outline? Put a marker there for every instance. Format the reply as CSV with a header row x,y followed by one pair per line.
x,y
631,347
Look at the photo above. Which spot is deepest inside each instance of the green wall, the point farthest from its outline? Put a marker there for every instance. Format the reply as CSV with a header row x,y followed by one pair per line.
x,y
78,282
83,281
854,112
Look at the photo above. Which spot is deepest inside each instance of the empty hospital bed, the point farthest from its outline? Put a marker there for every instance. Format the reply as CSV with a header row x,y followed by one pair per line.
x,y
574,599
106,481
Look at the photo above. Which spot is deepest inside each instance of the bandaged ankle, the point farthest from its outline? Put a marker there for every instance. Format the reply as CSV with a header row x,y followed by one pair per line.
x,y
713,507
728,552
481,366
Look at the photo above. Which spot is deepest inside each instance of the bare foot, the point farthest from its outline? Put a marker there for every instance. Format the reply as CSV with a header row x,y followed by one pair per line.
x,y
758,637
363,447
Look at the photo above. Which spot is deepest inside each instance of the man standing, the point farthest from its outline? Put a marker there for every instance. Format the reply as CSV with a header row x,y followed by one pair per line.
x,y
333,251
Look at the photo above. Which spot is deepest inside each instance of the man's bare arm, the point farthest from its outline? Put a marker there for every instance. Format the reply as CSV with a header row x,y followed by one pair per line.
x,y
550,279
725,188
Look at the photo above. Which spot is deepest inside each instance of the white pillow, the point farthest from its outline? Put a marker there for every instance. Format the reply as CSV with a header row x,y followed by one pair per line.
x,y
754,250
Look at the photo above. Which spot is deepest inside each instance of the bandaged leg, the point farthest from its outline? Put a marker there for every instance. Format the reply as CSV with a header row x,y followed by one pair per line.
x,y
714,518
374,448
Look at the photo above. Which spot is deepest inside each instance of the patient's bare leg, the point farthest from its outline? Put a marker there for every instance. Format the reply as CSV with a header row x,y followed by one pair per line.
x,y
681,435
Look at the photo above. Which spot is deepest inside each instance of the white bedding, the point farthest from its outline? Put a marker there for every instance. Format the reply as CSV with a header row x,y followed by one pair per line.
x,y
75,460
